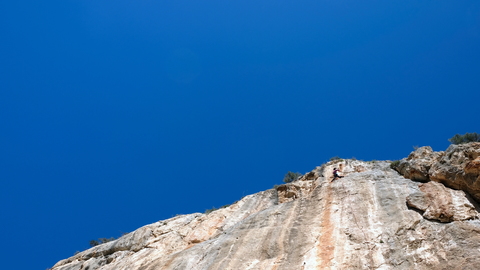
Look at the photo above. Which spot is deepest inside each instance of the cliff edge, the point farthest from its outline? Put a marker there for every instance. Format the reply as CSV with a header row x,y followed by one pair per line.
x,y
372,218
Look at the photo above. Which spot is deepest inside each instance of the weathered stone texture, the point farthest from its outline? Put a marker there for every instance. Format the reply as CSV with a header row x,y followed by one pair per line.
x,y
417,165
361,221
292,191
458,167
441,203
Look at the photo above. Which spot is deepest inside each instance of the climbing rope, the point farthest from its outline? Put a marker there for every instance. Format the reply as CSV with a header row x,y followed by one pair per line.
x,y
354,216
360,227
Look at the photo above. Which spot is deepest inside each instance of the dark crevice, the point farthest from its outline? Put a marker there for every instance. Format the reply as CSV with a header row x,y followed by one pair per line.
x,y
416,210
421,213
473,202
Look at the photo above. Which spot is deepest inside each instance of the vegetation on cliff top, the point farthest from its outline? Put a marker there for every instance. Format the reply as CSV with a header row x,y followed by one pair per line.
x,y
465,138
291,176
101,241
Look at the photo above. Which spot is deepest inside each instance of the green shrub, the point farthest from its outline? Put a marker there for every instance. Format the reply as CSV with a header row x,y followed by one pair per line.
x,y
291,176
208,211
101,241
94,243
394,164
335,158
465,138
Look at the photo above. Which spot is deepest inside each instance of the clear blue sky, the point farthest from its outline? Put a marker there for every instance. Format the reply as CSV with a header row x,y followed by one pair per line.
x,y
117,114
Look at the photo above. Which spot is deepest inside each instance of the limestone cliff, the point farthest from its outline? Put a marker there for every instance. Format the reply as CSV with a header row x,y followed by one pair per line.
x,y
372,218
458,167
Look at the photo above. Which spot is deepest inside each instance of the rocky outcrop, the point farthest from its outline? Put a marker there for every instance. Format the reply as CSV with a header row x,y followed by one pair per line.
x,y
458,167
417,165
294,190
300,188
440,203
361,221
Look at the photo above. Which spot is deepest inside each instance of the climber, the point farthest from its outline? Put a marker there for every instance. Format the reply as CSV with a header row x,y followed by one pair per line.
x,y
335,174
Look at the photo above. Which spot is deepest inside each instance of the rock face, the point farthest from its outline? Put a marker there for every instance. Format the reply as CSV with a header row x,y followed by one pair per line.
x,y
372,218
441,203
458,167
417,165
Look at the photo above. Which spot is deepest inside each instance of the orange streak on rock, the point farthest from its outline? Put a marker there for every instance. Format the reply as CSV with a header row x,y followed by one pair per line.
x,y
326,246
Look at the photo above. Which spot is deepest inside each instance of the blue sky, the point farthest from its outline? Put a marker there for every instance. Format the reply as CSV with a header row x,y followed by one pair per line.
x,y
117,114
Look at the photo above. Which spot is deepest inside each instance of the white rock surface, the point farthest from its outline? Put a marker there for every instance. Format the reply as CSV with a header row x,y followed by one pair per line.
x,y
361,221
